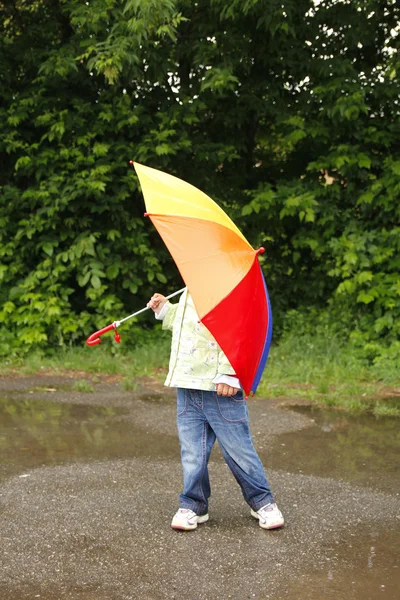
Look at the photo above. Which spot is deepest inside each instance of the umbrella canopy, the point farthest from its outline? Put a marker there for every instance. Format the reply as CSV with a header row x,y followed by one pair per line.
x,y
219,267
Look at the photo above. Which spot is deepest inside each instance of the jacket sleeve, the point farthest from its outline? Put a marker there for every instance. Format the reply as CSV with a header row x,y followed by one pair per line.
x,y
168,320
231,380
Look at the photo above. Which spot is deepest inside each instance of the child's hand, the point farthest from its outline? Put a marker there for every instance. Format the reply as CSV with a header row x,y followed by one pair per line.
x,y
223,389
156,302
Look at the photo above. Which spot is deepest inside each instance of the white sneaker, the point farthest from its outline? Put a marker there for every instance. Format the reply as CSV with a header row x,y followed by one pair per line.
x,y
186,519
269,516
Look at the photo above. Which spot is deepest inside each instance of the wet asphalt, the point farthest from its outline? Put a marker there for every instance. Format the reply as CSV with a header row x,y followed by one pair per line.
x,y
90,482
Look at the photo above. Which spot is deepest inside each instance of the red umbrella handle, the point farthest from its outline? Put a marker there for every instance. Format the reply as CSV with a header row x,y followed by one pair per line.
x,y
95,337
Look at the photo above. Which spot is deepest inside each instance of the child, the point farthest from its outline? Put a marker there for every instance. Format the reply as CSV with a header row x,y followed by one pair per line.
x,y
210,406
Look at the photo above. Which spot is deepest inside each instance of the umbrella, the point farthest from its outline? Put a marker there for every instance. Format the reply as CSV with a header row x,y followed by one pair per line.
x,y
94,338
219,267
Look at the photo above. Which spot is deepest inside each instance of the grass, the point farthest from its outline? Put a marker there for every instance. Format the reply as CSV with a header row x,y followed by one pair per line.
x,y
324,371
319,370
82,386
383,410
101,360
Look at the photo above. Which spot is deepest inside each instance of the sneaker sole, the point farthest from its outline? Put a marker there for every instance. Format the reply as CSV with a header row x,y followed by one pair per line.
x,y
274,526
201,519
277,526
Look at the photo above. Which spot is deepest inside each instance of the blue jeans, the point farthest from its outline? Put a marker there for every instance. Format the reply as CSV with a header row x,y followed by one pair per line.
x,y
203,417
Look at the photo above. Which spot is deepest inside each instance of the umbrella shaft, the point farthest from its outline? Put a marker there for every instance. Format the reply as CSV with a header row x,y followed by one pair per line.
x,y
147,308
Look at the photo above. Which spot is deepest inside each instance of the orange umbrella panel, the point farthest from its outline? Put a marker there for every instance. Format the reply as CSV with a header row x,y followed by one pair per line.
x,y
211,258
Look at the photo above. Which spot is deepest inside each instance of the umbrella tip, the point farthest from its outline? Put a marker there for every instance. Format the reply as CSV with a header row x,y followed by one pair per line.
x,y
260,251
131,162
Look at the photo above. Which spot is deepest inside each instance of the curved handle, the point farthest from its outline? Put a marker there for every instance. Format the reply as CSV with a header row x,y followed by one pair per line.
x,y
94,339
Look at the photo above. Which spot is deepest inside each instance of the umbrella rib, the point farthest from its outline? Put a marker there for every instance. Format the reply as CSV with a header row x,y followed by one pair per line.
x,y
234,227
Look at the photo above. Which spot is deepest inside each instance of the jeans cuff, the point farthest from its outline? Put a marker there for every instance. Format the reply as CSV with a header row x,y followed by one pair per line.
x,y
194,507
267,500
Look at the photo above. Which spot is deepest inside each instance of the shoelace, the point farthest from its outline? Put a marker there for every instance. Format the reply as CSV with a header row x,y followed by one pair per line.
x,y
187,513
266,509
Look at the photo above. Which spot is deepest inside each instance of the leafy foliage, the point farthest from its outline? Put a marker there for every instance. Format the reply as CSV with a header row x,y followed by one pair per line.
x,y
286,113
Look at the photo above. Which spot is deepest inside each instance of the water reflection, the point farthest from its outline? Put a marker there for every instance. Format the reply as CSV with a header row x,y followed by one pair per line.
x,y
360,449
367,568
371,556
39,432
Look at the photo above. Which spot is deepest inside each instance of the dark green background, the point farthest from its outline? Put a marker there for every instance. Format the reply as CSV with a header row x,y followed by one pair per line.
x,y
286,113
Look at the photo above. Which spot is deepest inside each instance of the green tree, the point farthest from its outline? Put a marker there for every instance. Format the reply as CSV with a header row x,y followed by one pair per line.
x,y
74,245
332,203
286,113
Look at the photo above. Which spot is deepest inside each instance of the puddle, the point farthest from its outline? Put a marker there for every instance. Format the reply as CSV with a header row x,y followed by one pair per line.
x,y
41,432
393,401
364,450
361,561
360,449
155,398
366,565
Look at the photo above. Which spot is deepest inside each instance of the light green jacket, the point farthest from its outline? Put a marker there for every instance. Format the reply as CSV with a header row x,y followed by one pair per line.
x,y
196,359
